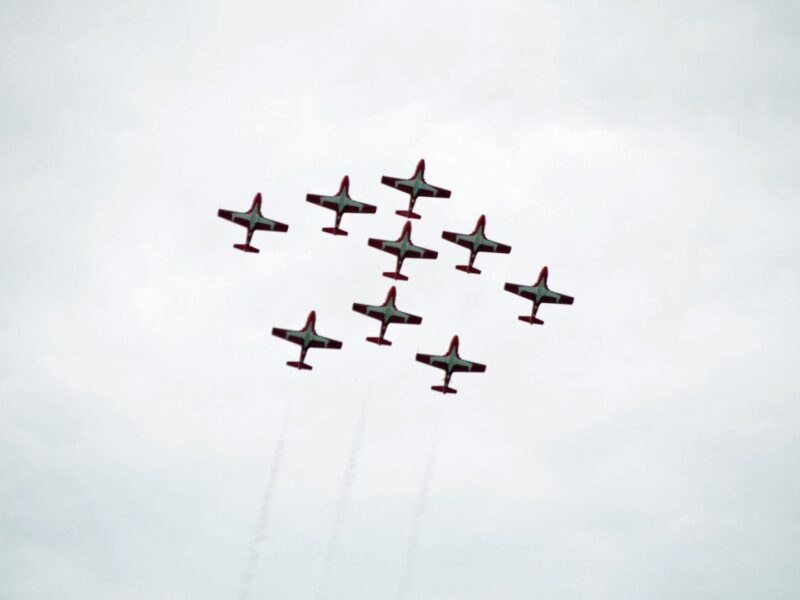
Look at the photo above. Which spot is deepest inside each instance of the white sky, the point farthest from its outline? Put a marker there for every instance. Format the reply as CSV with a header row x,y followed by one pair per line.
x,y
642,444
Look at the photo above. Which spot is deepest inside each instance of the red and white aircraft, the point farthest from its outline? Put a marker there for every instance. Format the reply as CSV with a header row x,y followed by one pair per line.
x,y
451,363
402,248
253,220
540,294
342,203
387,313
475,242
306,338
414,187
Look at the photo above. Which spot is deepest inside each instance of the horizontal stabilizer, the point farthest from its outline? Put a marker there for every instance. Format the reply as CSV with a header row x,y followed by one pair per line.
x,y
299,365
444,389
531,320
408,214
246,248
468,269
395,275
379,341
334,230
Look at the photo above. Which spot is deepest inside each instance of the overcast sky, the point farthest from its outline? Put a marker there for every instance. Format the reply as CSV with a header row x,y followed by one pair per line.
x,y
643,443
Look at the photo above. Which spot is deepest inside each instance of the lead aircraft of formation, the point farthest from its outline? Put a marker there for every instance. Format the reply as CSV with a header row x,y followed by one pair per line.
x,y
387,313
306,338
540,294
475,242
450,363
415,188
402,248
253,220
342,203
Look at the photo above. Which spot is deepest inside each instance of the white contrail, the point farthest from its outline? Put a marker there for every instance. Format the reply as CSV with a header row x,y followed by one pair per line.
x,y
260,532
422,504
342,502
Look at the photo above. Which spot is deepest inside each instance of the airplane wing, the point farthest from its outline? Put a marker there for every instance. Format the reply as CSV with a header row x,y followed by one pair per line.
x,y
289,335
556,298
440,362
320,341
436,192
371,311
420,252
549,298
405,185
354,206
323,201
386,245
490,246
467,366
406,318
458,238
233,217
265,224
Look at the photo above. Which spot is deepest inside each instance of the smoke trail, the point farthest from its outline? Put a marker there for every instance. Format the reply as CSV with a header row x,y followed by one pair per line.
x,y
422,505
260,532
342,502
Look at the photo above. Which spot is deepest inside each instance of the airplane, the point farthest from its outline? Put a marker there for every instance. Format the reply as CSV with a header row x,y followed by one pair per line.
x,y
414,187
306,338
253,220
450,363
476,242
342,203
387,313
540,294
402,248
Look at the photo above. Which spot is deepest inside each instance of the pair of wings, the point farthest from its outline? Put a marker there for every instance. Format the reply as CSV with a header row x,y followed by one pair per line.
x,y
549,298
394,248
466,241
243,219
332,202
296,337
404,185
440,362
377,312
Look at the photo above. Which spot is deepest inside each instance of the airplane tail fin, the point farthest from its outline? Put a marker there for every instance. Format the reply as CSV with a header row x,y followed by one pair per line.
x,y
468,269
408,214
395,275
334,230
246,248
444,389
380,341
299,365
531,320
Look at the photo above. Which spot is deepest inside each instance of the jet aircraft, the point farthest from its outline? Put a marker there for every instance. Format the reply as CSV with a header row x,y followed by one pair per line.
x,y
451,363
253,220
414,187
540,294
476,242
306,338
387,313
402,248
341,203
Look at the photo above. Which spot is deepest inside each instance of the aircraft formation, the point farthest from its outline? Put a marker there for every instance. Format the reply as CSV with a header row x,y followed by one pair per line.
x,y
402,248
